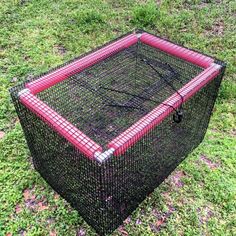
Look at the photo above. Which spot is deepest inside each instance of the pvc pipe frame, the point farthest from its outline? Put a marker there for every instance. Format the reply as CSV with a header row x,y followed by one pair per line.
x,y
129,137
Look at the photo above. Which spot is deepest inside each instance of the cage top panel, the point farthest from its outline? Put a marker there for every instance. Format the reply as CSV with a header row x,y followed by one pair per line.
x,y
108,97
98,97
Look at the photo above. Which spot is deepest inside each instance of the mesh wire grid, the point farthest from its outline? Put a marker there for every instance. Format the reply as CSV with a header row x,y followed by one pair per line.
x,y
102,101
105,99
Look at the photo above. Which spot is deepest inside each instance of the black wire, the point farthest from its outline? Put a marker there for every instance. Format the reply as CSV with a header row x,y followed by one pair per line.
x,y
146,62
178,116
88,86
179,111
145,98
125,106
138,96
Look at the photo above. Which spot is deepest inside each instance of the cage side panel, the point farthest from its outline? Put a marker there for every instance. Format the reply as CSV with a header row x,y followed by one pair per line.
x,y
129,178
77,66
75,177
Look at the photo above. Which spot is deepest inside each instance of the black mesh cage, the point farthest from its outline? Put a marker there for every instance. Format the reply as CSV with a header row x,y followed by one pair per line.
x,y
107,128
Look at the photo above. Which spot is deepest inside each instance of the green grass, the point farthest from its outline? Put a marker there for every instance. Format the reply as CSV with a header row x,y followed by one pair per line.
x,y
39,34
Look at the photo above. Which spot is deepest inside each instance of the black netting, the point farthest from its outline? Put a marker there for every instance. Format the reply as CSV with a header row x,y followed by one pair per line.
x,y
103,101
107,98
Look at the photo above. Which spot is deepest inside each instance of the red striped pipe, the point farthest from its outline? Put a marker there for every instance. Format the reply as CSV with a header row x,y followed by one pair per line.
x,y
130,136
77,66
85,145
175,50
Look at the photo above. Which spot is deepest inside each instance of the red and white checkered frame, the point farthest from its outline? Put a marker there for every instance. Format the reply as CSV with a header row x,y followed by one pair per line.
x,y
134,133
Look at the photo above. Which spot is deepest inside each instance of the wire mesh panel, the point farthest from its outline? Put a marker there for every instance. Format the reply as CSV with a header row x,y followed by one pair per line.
x,y
107,128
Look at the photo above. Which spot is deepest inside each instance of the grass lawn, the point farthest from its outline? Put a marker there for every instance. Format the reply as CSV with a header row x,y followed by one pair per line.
x,y
199,198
